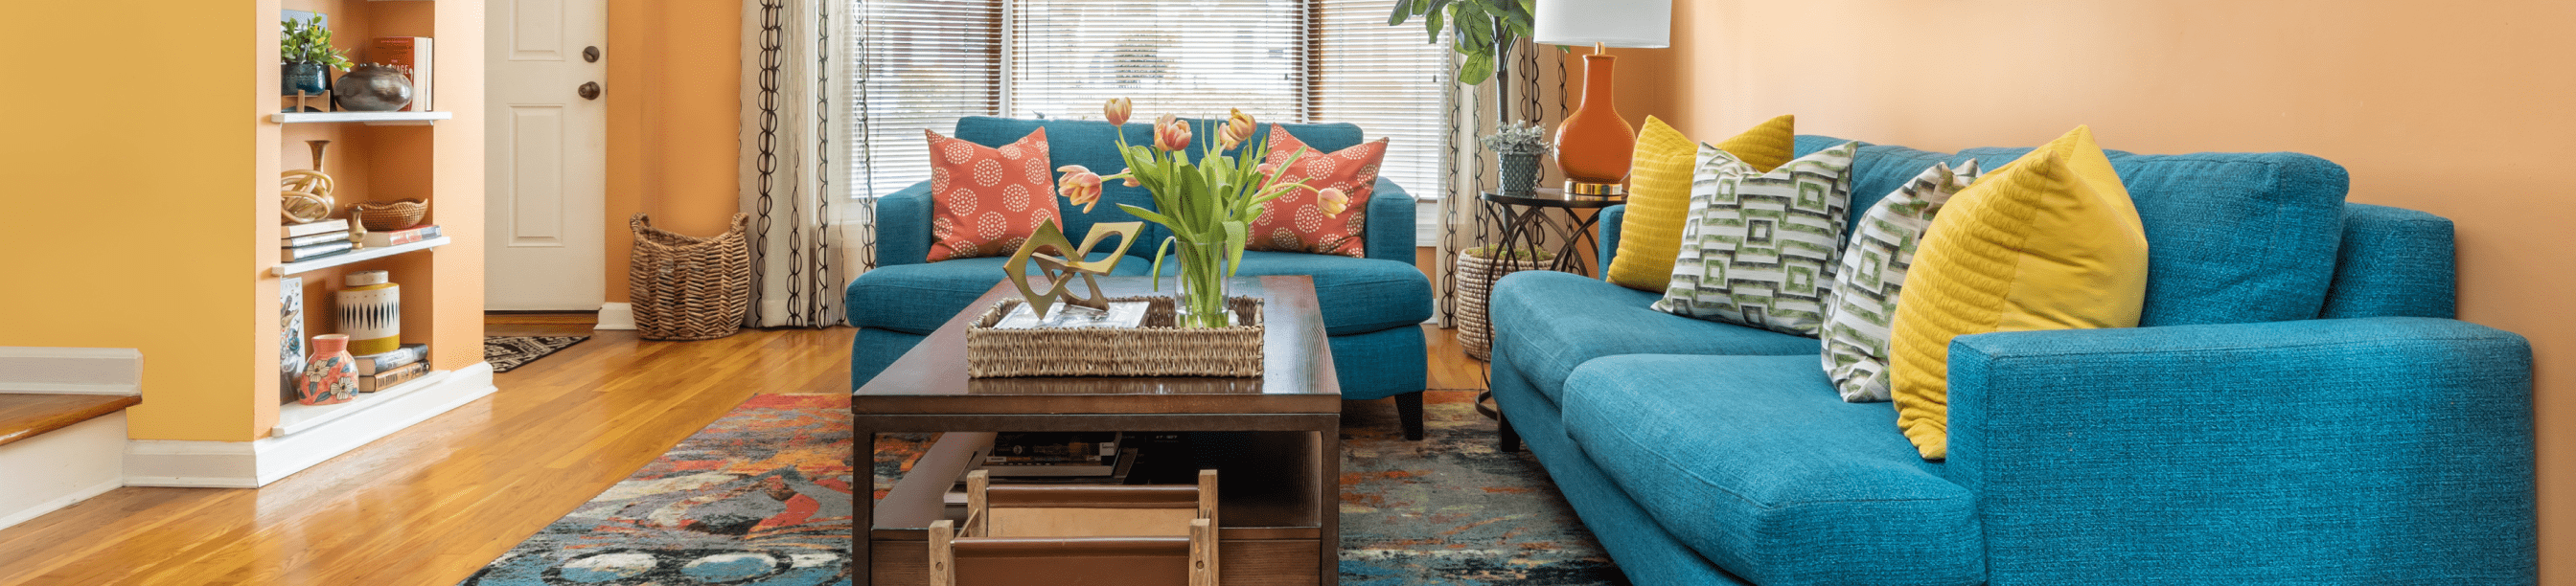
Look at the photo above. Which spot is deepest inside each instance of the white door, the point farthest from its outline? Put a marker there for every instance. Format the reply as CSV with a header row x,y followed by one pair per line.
x,y
547,154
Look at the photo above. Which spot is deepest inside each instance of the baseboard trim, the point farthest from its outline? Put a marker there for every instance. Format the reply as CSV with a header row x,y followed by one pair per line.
x,y
616,316
60,468
84,371
257,463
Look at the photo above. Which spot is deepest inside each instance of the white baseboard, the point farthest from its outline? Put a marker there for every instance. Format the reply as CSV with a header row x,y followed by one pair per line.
x,y
60,468
616,316
85,371
256,463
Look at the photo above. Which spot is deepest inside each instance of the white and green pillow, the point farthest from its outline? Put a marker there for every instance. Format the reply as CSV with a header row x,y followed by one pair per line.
x,y
1873,272
1758,248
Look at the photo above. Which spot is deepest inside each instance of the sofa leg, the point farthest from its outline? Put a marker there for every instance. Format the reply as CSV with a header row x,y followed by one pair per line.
x,y
1511,438
1408,408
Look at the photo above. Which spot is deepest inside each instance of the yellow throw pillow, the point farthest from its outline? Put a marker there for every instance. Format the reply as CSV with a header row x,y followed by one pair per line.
x,y
2047,242
1659,177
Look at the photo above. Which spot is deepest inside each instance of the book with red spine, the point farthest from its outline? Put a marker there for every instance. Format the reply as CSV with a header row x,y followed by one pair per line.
x,y
413,55
409,235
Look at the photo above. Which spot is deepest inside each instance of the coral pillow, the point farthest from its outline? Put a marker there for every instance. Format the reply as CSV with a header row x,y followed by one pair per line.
x,y
2049,241
1650,235
1296,222
986,201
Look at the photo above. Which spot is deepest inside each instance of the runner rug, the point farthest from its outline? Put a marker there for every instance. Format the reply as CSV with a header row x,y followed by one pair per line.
x,y
761,497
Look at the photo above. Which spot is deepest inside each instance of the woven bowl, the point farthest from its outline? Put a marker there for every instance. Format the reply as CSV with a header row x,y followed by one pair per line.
x,y
391,215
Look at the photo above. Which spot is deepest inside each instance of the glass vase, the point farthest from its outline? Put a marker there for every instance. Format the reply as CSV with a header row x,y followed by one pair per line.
x,y
1200,303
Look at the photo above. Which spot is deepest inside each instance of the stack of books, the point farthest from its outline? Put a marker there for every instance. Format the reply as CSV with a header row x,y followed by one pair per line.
x,y
384,238
315,240
378,372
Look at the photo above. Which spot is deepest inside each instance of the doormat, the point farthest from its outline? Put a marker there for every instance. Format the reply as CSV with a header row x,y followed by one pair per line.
x,y
762,496
508,352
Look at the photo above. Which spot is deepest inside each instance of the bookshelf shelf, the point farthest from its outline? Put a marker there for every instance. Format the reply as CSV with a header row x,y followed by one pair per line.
x,y
293,268
295,417
368,118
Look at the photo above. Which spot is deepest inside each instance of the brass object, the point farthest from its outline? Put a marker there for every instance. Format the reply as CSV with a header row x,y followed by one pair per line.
x,y
357,229
1056,268
307,193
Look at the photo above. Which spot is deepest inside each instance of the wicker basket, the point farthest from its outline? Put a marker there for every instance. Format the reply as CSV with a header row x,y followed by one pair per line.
x,y
1155,349
685,287
391,215
1476,276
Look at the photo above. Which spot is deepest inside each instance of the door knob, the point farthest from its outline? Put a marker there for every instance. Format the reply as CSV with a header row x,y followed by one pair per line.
x,y
590,54
590,91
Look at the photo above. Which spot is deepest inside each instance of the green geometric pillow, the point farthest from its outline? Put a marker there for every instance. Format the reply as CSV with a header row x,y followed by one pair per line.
x,y
1873,272
1758,248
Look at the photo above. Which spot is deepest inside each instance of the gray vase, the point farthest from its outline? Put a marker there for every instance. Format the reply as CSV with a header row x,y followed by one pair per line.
x,y
373,88
1520,174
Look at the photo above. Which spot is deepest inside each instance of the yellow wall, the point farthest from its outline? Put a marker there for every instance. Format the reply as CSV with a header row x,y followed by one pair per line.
x,y
674,111
2461,110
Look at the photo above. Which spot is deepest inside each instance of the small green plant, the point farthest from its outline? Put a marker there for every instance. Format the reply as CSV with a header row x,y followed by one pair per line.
x,y
1517,138
306,41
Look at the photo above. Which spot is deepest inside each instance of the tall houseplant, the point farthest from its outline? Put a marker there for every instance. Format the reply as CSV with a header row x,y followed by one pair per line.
x,y
1206,204
305,56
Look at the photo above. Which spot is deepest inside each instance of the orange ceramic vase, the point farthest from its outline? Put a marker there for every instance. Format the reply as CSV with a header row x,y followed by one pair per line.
x,y
1594,144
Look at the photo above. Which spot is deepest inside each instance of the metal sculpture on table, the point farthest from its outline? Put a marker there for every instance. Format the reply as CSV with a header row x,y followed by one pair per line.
x,y
1056,268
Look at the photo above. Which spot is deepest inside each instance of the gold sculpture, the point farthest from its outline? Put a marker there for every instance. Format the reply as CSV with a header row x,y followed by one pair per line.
x,y
1056,268
307,193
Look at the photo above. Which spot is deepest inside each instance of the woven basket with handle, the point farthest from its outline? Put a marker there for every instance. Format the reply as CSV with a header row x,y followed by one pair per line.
x,y
685,287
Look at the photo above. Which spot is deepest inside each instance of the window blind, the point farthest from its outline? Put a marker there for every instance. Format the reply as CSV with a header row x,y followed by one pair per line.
x,y
931,61
924,64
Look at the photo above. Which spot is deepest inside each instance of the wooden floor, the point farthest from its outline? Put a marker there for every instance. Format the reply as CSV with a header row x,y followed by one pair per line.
x,y
431,504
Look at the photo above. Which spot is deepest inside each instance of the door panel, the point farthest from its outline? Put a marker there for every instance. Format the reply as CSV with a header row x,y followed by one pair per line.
x,y
547,149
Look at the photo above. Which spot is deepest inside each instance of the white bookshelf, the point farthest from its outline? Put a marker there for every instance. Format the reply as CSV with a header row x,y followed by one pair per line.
x,y
295,417
360,255
368,118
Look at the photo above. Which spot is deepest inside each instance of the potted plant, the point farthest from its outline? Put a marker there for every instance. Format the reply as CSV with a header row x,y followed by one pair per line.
x,y
1517,146
305,56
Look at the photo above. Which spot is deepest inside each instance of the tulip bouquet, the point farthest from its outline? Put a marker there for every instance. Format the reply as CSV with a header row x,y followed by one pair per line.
x,y
1206,204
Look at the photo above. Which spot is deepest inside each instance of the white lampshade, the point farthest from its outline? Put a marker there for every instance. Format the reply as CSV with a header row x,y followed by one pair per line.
x,y
1646,24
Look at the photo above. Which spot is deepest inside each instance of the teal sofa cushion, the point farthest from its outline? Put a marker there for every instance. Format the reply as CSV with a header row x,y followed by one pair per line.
x,y
1755,462
1359,295
1554,321
932,293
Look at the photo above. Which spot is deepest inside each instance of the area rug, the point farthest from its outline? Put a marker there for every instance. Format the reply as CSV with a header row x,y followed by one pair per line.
x,y
508,352
761,497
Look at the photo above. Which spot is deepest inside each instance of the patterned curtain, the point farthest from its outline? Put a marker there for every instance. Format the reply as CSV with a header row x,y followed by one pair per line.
x,y
1537,78
795,95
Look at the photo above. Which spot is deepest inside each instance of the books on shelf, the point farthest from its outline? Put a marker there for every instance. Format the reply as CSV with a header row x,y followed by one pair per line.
x,y
387,379
314,251
321,227
405,355
412,54
295,241
384,238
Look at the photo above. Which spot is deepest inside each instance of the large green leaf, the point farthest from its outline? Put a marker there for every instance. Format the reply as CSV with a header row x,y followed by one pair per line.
x,y
1234,236
1403,10
1148,215
1476,69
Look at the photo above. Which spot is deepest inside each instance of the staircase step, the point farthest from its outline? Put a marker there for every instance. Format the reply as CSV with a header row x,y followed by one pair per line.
x,y
27,415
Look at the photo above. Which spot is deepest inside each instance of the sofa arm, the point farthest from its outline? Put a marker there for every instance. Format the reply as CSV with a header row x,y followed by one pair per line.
x,y
2380,450
2394,262
1389,235
1610,217
903,226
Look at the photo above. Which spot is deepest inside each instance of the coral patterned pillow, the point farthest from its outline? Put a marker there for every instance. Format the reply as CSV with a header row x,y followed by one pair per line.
x,y
1296,222
986,201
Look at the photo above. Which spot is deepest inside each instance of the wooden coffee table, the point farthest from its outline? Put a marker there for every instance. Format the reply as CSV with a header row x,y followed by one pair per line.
x,y
1279,514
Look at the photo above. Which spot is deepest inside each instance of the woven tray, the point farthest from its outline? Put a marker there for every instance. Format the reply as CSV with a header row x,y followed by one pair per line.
x,y
1155,349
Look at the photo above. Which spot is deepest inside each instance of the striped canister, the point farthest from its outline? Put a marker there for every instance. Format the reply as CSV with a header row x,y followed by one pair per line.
x,y
371,313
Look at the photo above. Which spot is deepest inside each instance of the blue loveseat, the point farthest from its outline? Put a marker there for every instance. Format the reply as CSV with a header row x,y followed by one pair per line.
x,y
1372,306
2298,407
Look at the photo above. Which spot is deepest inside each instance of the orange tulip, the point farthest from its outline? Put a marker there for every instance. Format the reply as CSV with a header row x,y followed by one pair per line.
x,y
1116,110
1080,186
1238,126
1171,134
1333,200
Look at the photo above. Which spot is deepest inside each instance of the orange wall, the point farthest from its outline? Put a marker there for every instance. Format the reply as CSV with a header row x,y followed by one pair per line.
x,y
674,110
2460,111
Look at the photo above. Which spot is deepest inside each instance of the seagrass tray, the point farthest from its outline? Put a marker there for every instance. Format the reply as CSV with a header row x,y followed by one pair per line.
x,y
1154,348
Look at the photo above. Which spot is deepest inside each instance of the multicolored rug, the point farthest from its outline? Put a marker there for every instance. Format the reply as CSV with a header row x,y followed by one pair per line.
x,y
761,497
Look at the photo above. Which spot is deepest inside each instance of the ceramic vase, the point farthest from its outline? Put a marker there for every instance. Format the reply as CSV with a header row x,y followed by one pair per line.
x,y
304,77
371,312
331,377
1520,174
373,88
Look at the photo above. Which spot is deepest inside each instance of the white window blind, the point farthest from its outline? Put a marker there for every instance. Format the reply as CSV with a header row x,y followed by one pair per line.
x,y
1278,60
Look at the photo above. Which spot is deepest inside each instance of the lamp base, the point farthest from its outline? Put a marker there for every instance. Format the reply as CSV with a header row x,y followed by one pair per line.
x,y
1586,190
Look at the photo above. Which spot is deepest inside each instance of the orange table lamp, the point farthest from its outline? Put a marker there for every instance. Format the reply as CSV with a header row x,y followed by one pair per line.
x,y
1594,143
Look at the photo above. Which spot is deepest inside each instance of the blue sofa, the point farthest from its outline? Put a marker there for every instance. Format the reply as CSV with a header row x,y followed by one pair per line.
x,y
1372,306
2298,406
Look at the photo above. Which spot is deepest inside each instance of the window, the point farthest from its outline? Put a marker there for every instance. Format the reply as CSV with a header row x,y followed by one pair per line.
x,y
928,62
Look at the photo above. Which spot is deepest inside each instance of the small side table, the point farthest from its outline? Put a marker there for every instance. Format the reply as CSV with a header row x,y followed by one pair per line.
x,y
1523,223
